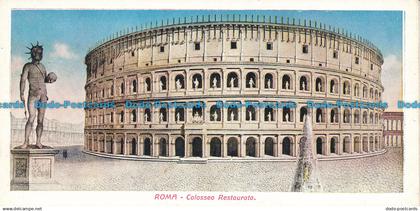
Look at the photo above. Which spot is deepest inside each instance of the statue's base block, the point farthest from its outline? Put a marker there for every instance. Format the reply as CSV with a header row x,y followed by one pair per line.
x,y
33,169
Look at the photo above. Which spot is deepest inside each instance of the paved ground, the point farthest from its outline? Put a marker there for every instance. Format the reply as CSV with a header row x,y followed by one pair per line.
x,y
80,171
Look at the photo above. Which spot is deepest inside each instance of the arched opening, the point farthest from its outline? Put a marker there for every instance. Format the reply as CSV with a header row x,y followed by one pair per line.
x,y
215,80
133,146
365,117
333,145
197,81
163,115
319,84
162,147
232,147
286,146
179,114
356,89
250,147
319,115
346,88
122,88
232,80
215,113
365,144
215,147
286,82
287,115
333,86
347,116
133,116
303,83
371,144
162,83
179,147
233,114
334,115
356,117
197,147
268,81
121,116
197,112
302,113
147,83
179,82
251,114
269,147
371,118
356,144
120,146
134,86
147,145
147,115
251,80
319,146
269,114
364,91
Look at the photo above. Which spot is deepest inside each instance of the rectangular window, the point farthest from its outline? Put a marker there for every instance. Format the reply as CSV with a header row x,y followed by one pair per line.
x,y
335,54
305,49
356,61
162,49
197,46
269,46
371,66
233,45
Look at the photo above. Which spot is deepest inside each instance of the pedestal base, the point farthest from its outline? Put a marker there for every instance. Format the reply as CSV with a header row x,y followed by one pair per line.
x,y
33,169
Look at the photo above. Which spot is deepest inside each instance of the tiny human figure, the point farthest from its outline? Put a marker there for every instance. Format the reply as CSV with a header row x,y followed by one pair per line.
x,y
318,86
269,84
319,118
251,83
287,117
287,85
214,85
232,116
269,116
333,89
178,116
250,115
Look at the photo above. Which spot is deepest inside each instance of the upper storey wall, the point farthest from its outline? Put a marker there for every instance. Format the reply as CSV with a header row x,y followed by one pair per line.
x,y
234,42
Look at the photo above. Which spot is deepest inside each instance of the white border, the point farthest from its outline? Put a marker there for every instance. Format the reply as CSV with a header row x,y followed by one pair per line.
x,y
141,200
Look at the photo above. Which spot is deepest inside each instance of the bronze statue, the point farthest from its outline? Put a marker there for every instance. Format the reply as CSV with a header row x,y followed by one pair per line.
x,y
37,77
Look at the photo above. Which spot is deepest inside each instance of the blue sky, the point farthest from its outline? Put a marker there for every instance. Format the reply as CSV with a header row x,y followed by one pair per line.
x,y
68,34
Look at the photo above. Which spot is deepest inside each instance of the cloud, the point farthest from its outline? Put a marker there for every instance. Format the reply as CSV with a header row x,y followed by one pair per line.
x,y
62,50
392,81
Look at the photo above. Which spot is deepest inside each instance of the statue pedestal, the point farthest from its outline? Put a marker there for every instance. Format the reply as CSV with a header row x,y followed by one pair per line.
x,y
33,169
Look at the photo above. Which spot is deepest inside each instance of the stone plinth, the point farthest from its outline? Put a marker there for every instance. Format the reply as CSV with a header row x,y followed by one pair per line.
x,y
32,168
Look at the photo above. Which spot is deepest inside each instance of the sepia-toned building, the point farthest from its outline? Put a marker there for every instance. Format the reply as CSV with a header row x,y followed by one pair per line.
x,y
232,59
393,129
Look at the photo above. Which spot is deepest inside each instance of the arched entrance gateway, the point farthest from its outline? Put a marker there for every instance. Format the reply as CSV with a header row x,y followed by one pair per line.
x,y
286,146
319,146
147,147
250,147
215,147
269,147
179,147
232,147
162,147
197,147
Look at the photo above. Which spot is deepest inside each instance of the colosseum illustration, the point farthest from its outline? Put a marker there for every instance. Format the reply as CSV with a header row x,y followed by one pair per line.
x,y
234,60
